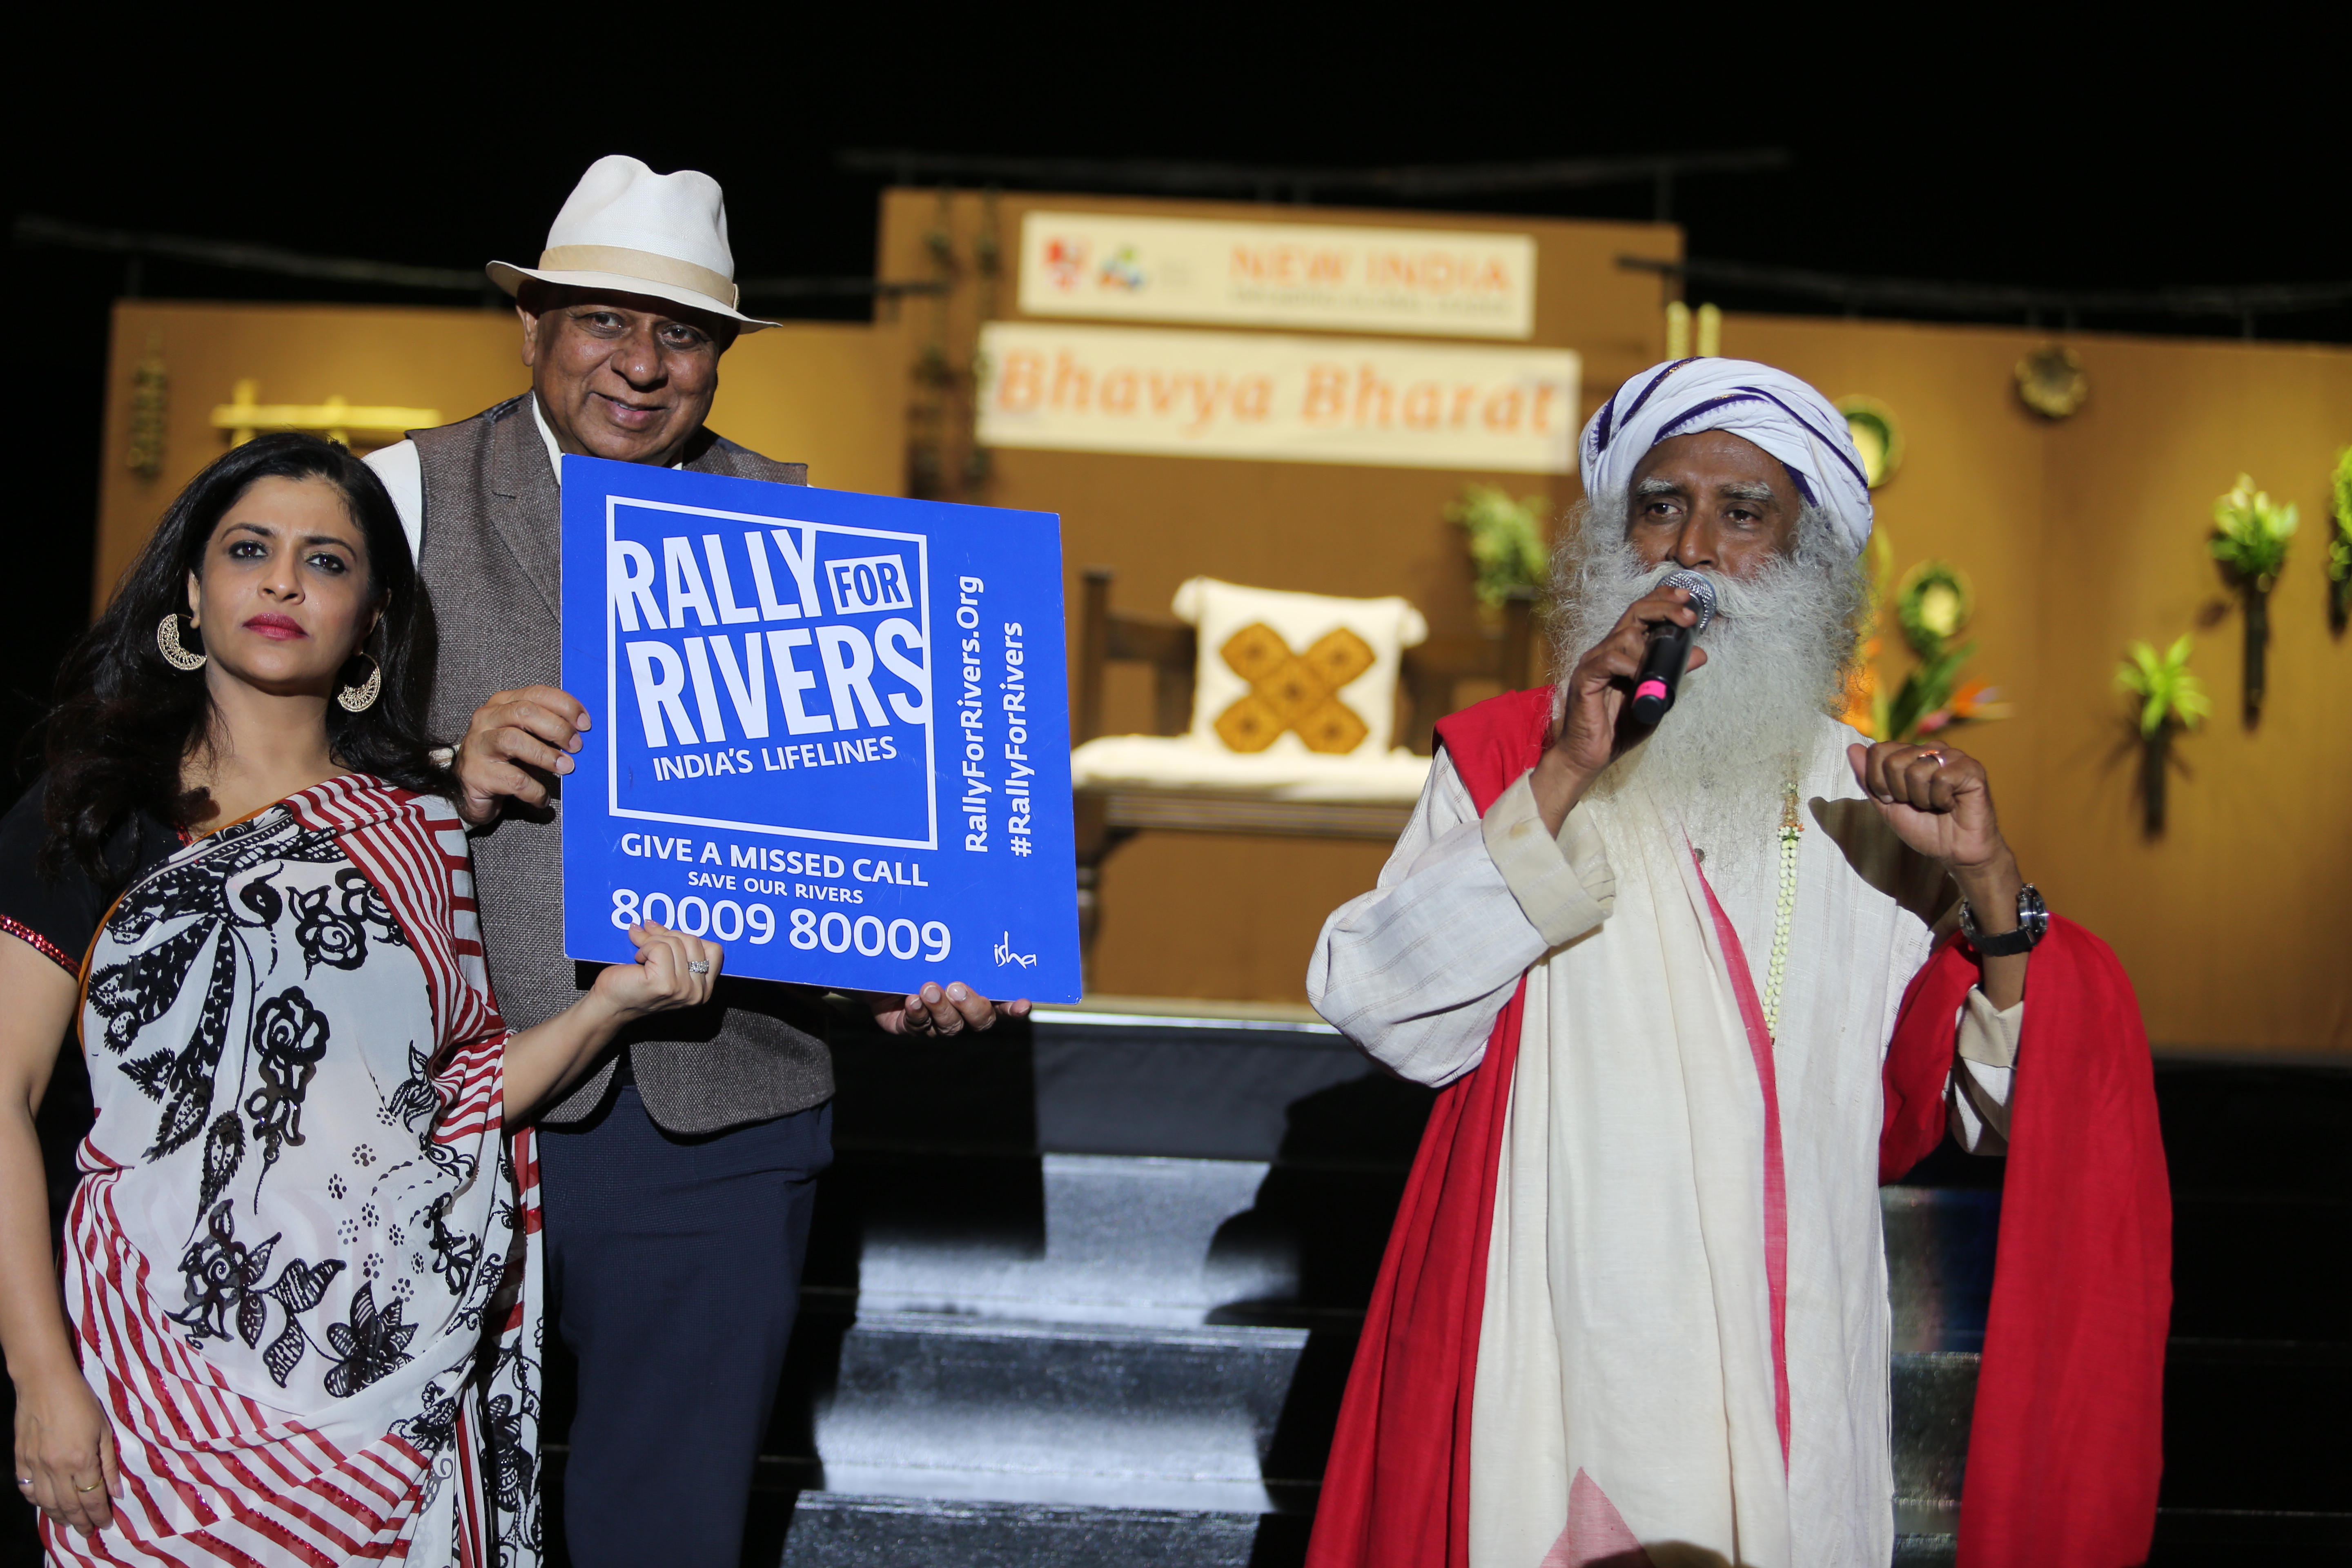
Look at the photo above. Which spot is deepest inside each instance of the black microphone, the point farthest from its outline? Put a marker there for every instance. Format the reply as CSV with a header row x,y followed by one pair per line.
x,y
1669,650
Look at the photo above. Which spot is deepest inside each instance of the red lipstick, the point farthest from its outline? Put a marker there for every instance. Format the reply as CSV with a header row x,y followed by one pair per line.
x,y
278,629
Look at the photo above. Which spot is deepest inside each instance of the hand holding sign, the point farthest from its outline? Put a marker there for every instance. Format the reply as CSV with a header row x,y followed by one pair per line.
x,y
512,736
941,1011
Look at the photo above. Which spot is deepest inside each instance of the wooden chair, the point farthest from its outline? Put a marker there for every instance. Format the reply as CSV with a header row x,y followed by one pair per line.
x,y
1109,815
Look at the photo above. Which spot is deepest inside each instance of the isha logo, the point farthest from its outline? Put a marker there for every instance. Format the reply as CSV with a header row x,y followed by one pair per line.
x,y
1123,271
1066,262
868,584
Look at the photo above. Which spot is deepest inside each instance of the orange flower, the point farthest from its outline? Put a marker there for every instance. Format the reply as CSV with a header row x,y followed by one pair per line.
x,y
1978,702
1860,692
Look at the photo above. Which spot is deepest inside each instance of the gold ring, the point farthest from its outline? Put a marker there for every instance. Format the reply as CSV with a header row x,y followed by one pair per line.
x,y
91,1487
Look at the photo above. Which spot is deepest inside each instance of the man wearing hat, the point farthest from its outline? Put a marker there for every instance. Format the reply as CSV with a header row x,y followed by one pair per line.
x,y
678,1178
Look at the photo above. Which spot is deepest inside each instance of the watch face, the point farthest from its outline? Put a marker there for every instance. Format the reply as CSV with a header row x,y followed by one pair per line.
x,y
2032,924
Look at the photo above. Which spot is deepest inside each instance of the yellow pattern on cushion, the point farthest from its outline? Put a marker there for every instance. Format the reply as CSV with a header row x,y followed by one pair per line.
x,y
1294,691
1267,665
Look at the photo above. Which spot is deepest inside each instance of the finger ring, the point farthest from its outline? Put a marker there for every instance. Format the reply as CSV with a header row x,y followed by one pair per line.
x,y
24,1480
699,966
1931,752
91,1487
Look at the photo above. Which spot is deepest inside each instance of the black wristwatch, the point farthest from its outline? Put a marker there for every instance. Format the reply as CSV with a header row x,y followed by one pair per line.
x,y
2032,924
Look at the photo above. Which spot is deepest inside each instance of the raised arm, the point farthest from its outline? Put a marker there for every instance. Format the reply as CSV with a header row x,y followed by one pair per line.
x,y
63,1443
1416,970
1938,800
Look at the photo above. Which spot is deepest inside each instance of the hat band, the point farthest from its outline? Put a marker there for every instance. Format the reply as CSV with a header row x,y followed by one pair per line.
x,y
643,264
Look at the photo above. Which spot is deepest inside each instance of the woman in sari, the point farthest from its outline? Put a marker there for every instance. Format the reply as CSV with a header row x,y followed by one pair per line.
x,y
298,1315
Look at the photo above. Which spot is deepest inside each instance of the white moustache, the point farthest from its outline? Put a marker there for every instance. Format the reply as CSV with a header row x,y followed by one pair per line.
x,y
1734,600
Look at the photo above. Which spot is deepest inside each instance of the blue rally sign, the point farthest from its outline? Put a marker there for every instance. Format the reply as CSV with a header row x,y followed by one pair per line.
x,y
829,731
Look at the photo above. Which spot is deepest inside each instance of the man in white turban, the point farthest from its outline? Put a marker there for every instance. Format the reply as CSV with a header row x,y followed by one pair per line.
x,y
1636,1307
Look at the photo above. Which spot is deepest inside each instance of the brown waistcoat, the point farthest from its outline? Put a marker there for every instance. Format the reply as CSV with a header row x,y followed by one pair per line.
x,y
492,559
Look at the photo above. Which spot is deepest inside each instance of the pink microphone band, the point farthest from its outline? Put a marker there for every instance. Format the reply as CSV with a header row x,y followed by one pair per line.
x,y
1653,687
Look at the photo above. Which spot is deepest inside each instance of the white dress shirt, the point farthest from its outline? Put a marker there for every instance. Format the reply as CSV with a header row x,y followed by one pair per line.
x,y
402,469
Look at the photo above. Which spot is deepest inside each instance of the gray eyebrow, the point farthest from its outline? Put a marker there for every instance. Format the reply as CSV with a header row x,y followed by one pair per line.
x,y
1654,486
1746,491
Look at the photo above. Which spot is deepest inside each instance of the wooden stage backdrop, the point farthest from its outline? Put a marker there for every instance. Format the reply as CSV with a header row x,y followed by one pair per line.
x,y
2079,536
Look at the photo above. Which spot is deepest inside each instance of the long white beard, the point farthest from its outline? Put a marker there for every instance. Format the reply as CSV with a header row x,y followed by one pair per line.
x,y
1745,724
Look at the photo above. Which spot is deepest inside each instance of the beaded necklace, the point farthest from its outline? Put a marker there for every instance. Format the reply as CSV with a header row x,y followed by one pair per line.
x,y
1792,827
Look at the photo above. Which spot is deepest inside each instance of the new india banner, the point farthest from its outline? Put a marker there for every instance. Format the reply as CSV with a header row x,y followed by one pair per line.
x,y
1451,283
1277,397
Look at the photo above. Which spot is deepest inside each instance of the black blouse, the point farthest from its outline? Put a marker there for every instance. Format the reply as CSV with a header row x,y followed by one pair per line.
x,y
60,918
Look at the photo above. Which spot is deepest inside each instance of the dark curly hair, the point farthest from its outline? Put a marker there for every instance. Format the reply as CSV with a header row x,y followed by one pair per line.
x,y
124,720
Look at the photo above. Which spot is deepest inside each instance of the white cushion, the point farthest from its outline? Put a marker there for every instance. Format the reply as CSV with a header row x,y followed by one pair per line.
x,y
1179,761
1296,675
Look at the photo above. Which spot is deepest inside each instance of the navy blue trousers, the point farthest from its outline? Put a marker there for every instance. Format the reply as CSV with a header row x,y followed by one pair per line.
x,y
674,1268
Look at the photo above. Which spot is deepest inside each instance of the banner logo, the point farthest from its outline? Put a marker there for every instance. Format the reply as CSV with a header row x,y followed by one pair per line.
x,y
748,657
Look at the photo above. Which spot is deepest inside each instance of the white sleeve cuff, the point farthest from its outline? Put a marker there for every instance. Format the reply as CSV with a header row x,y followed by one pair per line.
x,y
1985,1076
1565,885
1989,1035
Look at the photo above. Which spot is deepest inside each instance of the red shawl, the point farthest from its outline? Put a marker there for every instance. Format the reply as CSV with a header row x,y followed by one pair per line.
x,y
2068,1443
2065,1447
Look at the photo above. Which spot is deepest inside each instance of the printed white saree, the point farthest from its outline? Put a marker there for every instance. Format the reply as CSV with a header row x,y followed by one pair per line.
x,y
301,1263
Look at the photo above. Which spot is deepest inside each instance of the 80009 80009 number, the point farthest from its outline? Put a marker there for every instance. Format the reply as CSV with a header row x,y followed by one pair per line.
x,y
835,932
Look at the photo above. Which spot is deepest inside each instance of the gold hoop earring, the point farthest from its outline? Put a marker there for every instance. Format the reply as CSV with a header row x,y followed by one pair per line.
x,y
167,641
361,698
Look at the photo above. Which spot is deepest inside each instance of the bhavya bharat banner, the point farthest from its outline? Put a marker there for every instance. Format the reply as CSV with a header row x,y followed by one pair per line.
x,y
1454,283
1278,399
829,730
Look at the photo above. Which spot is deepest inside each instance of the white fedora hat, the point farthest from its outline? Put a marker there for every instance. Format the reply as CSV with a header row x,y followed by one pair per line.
x,y
630,230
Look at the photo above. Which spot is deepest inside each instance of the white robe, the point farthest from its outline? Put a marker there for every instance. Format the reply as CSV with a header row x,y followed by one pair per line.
x,y
1627,1332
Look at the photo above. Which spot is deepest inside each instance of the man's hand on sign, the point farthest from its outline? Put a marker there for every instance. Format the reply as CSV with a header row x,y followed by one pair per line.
x,y
940,1011
516,738
1596,692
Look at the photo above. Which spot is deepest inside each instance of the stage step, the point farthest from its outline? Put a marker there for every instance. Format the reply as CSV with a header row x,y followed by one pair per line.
x,y
1127,1239
1935,1393
1939,1252
834,1530
929,1405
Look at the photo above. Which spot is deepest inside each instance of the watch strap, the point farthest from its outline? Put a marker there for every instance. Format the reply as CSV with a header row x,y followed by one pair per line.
x,y
2032,923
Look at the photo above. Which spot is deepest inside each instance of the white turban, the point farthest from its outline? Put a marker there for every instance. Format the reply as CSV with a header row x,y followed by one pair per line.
x,y
1771,407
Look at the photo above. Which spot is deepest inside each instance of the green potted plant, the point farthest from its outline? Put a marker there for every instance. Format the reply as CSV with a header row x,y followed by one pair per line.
x,y
2339,548
1932,603
1506,544
2170,701
2250,538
